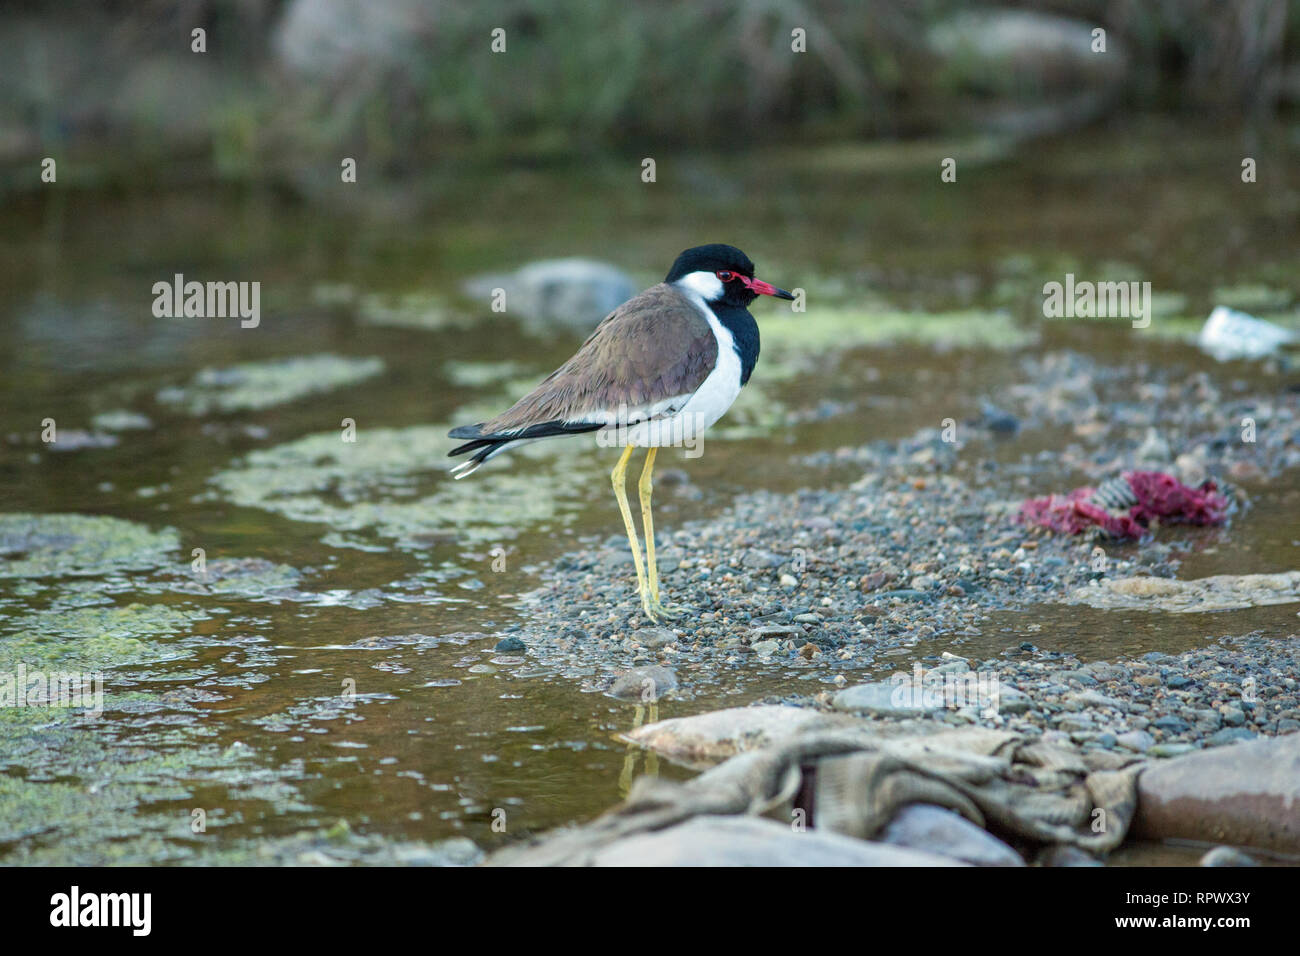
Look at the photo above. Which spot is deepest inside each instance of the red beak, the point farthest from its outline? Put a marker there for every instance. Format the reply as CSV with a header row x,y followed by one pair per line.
x,y
763,288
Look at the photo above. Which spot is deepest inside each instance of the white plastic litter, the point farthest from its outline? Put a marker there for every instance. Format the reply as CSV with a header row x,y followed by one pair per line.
x,y
1229,334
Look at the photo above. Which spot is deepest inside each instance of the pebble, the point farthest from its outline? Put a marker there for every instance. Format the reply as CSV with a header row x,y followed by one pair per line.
x,y
880,698
654,637
1229,735
1138,741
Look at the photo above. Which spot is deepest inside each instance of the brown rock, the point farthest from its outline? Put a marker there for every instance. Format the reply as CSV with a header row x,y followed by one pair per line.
x,y
1246,794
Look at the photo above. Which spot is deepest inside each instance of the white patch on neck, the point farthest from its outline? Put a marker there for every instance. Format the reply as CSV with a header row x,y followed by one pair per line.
x,y
703,284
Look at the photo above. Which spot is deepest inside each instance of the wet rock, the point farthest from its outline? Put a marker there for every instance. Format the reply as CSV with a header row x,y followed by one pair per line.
x,y
1012,701
573,293
758,558
997,420
1246,795
1229,735
510,645
645,684
774,632
887,699
1091,698
1171,724
938,830
1170,750
755,841
1227,856
717,735
1138,741
1075,723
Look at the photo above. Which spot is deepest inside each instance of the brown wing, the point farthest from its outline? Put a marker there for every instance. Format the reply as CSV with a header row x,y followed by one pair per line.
x,y
652,347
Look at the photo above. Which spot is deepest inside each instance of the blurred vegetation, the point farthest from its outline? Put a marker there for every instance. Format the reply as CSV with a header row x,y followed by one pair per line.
x,y
406,84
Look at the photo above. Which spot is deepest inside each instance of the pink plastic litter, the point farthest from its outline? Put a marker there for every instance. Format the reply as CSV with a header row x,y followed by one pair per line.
x,y
1158,496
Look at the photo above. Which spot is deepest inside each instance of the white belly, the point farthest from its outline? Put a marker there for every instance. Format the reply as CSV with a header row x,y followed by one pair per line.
x,y
709,402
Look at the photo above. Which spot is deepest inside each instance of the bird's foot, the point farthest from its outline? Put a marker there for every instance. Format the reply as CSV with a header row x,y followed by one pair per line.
x,y
657,611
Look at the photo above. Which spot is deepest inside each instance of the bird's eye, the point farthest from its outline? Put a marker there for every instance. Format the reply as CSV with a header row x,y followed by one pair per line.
x,y
725,276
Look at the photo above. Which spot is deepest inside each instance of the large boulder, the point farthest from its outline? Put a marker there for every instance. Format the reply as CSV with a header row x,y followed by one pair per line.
x,y
1247,794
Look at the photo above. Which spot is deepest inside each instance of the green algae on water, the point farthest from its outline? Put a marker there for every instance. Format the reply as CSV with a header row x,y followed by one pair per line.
x,y
819,330
252,386
46,545
392,481
93,638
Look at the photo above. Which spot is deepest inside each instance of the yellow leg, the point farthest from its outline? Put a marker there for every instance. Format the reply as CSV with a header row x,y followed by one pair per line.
x,y
656,608
619,477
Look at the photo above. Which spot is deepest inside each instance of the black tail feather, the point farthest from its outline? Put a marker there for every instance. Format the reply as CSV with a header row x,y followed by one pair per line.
x,y
491,441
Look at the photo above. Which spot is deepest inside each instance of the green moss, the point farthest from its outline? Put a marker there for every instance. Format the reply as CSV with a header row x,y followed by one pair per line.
x,y
41,545
93,638
821,329
256,385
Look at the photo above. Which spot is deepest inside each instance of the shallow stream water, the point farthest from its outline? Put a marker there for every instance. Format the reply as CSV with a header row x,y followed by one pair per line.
x,y
349,674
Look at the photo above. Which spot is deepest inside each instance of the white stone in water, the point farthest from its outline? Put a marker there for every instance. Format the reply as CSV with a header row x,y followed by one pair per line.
x,y
646,684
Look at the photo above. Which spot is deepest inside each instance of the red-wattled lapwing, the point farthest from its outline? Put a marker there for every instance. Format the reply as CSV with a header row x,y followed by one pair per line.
x,y
657,371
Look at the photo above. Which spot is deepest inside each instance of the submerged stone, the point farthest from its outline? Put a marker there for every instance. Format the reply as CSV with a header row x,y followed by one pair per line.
x,y
644,684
